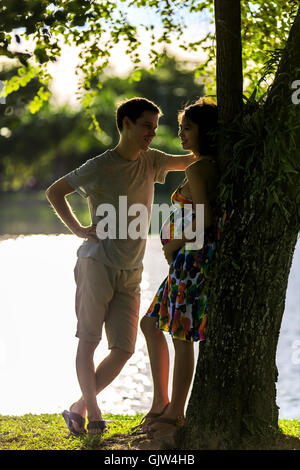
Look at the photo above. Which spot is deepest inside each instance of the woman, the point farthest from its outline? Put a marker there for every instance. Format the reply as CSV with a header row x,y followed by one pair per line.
x,y
181,303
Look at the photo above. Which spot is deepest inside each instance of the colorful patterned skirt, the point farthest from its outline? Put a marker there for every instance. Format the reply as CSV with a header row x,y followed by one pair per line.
x,y
181,302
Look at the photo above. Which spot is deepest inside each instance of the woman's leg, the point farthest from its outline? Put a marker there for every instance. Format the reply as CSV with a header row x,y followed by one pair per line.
x,y
159,361
182,378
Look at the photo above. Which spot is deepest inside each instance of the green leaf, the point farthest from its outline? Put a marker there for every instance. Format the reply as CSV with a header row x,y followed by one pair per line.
x,y
41,55
136,76
38,101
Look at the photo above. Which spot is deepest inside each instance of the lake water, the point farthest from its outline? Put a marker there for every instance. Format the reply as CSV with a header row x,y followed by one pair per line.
x,y
37,327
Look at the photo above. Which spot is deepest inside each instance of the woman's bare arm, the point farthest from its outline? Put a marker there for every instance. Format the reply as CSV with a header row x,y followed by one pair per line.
x,y
197,178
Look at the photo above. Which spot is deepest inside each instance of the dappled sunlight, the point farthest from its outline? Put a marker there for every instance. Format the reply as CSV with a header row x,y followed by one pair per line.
x,y
38,324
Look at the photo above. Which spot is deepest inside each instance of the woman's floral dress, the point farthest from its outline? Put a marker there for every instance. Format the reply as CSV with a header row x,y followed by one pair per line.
x,y
181,302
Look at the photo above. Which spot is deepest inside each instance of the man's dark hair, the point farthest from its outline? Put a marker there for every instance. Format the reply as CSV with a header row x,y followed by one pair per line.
x,y
133,109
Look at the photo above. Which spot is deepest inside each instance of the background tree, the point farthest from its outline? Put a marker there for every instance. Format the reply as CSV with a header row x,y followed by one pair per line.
x,y
38,148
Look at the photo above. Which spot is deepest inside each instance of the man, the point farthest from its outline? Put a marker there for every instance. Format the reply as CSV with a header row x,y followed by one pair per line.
x,y
108,270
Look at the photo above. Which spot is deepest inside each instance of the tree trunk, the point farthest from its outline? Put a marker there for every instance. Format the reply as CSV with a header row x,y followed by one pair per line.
x,y
229,58
234,388
234,391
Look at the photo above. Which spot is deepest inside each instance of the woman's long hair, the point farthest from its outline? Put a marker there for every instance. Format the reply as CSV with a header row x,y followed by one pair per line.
x,y
204,113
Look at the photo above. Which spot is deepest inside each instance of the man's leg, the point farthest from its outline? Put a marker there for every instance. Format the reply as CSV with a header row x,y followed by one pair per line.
x,y
121,329
94,291
110,368
92,382
86,377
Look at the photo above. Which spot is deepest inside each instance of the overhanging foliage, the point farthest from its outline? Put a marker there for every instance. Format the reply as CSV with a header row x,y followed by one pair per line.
x,y
95,26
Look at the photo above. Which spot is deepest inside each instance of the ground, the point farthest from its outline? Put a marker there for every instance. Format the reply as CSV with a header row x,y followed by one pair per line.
x,y
49,432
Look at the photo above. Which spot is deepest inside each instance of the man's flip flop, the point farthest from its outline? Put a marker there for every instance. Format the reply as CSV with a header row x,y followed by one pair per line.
x,y
69,417
99,427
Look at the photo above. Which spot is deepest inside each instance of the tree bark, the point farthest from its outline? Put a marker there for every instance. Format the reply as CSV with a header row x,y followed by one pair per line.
x,y
234,391
229,58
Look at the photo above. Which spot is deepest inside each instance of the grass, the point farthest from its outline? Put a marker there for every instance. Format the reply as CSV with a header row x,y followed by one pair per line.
x,y
287,438
48,432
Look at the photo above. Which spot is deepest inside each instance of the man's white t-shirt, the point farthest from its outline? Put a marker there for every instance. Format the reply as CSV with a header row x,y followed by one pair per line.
x,y
102,180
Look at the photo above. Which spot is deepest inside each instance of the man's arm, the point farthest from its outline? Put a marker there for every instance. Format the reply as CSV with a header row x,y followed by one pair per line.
x,y
180,162
56,196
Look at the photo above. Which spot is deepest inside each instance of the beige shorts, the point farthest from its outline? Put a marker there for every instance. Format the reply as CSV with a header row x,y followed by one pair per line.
x,y
105,295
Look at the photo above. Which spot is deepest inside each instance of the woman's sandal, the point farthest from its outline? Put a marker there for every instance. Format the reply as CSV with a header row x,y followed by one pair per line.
x,y
143,426
175,422
98,427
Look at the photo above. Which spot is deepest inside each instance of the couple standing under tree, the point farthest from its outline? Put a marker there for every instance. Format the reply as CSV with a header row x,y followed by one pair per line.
x,y
108,270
